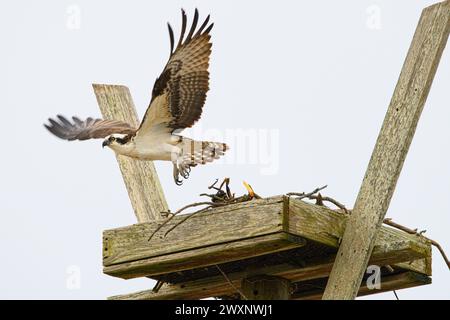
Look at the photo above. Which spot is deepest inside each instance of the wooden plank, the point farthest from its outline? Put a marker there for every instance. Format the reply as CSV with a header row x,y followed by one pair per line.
x,y
388,283
227,224
265,287
140,177
420,265
217,286
241,231
390,151
327,226
204,256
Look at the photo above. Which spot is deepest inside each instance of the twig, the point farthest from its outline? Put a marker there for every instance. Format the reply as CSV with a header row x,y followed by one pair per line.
x,y
213,185
395,293
221,198
438,246
212,196
389,268
189,216
157,286
391,223
303,195
195,204
231,283
319,197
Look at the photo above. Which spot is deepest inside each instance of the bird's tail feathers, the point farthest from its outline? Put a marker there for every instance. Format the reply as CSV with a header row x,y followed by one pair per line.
x,y
194,153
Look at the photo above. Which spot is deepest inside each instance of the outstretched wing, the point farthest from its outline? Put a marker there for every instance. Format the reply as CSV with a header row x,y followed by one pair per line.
x,y
180,91
87,129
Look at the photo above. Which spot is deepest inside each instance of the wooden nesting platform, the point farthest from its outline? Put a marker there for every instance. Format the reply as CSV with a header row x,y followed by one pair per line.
x,y
277,236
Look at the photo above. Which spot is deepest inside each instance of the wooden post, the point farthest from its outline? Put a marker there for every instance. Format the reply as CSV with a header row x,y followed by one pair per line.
x,y
390,151
266,288
140,177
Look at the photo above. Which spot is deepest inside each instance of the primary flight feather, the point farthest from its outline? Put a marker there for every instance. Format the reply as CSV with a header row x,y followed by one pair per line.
x,y
178,96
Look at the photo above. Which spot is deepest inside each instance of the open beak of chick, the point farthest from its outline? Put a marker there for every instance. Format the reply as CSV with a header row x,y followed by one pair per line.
x,y
250,191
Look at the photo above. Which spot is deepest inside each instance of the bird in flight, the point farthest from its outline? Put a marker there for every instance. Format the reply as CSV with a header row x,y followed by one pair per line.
x,y
178,96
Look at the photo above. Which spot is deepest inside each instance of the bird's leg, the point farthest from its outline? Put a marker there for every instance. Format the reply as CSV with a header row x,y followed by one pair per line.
x,y
176,173
177,170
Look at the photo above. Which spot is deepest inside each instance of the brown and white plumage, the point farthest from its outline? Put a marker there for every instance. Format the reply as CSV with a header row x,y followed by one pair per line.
x,y
178,96
87,129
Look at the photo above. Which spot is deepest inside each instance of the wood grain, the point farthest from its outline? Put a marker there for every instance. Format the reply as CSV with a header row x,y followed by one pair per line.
x,y
140,177
388,283
241,231
326,226
390,151
218,286
204,256
265,287
234,222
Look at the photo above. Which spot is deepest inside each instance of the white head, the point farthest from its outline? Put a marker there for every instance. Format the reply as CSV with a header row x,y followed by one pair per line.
x,y
120,143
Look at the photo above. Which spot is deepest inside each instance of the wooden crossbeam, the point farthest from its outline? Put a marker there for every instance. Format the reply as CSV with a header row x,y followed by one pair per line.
x,y
242,231
140,177
318,270
392,282
390,152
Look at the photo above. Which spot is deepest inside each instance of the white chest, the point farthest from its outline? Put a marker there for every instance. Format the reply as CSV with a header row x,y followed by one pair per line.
x,y
155,147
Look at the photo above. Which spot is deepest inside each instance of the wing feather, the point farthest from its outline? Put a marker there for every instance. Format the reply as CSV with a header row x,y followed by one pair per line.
x,y
194,25
179,93
172,38
88,129
183,27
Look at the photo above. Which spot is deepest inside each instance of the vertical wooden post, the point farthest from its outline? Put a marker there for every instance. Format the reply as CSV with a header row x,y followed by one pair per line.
x,y
140,177
390,151
266,287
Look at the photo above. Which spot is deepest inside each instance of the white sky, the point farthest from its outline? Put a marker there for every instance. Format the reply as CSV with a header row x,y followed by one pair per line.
x,y
315,76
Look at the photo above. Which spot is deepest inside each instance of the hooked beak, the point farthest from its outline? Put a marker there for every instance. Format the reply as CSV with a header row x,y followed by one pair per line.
x,y
105,143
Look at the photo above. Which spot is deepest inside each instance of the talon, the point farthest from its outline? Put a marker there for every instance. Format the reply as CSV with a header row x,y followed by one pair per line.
x,y
176,173
184,172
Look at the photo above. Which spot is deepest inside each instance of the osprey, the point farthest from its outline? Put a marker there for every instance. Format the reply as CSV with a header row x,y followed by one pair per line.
x,y
178,96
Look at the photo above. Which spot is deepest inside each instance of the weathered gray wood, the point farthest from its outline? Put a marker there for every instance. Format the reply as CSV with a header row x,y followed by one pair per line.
x,y
266,287
234,222
218,286
241,231
327,226
203,256
390,151
140,177
388,283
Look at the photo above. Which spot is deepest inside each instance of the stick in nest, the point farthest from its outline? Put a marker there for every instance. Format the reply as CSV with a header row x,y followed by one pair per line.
x,y
231,283
221,198
195,204
303,195
158,286
391,223
318,197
